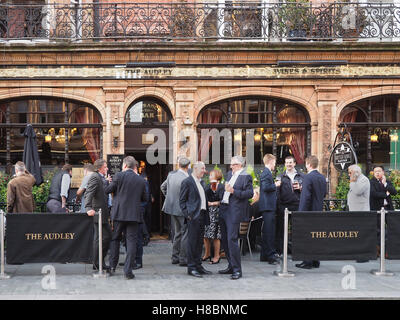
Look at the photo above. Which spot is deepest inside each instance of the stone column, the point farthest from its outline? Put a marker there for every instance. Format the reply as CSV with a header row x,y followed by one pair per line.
x,y
327,96
185,139
115,100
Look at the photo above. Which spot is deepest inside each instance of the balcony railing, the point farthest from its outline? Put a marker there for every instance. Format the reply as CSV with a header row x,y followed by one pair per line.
x,y
257,21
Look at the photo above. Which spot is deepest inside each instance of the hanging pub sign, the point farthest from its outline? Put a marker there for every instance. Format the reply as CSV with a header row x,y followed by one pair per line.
x,y
114,163
343,156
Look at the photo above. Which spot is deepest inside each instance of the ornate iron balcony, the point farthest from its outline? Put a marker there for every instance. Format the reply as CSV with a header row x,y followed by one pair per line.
x,y
258,21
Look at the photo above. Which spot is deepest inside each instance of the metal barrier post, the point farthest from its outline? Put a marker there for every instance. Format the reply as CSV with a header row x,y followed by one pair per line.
x,y
101,273
2,274
284,272
382,271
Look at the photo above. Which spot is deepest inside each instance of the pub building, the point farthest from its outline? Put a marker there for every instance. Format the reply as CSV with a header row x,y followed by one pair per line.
x,y
93,78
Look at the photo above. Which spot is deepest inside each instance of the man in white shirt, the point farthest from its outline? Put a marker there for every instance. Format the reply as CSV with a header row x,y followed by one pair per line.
x,y
192,201
233,210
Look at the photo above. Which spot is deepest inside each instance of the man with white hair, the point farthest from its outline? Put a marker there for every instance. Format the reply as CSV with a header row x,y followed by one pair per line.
x,y
233,210
194,206
358,195
19,191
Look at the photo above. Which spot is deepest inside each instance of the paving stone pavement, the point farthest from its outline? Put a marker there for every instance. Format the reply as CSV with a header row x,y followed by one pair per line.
x,y
160,280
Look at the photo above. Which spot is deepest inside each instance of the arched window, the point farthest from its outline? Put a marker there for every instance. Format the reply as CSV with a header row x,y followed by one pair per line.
x,y
373,124
67,131
279,127
147,112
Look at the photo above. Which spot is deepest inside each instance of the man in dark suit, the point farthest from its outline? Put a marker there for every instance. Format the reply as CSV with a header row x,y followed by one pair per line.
x,y
288,196
312,197
267,206
233,210
381,191
126,214
95,199
193,203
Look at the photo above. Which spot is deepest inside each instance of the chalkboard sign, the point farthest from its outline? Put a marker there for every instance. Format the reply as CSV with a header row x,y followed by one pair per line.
x,y
114,163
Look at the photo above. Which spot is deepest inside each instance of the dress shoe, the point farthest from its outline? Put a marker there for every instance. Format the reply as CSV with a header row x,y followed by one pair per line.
x,y
121,264
362,261
315,264
175,261
183,264
226,271
137,266
207,258
105,267
273,261
195,273
215,262
275,256
304,265
236,275
129,276
201,270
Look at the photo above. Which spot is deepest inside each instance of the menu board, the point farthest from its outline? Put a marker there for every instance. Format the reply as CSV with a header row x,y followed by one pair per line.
x,y
77,177
114,163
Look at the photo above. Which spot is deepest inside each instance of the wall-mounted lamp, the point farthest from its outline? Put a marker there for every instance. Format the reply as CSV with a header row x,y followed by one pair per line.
x,y
115,130
47,138
394,137
257,137
187,121
376,134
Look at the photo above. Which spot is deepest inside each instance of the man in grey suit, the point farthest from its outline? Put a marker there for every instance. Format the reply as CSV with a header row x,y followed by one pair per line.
x,y
358,195
95,199
171,188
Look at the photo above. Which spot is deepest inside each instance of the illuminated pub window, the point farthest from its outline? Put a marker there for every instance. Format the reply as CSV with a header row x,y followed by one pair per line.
x,y
67,132
280,127
374,125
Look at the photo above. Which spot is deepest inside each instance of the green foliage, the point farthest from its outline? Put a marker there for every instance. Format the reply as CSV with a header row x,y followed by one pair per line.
x,y
4,178
251,172
41,193
295,15
343,186
394,177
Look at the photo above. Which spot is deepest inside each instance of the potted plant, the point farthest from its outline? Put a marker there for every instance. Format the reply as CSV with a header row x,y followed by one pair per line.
x,y
296,19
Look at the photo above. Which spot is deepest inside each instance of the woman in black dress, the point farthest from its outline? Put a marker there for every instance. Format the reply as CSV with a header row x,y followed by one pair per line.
x,y
214,194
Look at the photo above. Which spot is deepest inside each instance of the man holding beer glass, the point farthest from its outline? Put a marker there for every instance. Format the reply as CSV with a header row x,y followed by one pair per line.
x,y
288,194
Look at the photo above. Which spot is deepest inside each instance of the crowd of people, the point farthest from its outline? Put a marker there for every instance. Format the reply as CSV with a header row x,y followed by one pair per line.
x,y
205,219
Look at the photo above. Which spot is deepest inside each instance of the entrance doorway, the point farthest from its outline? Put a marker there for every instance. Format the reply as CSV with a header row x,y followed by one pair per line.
x,y
143,115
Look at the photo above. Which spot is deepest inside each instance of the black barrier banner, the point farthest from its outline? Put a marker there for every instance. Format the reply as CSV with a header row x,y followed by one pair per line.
x,y
393,235
334,236
45,237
